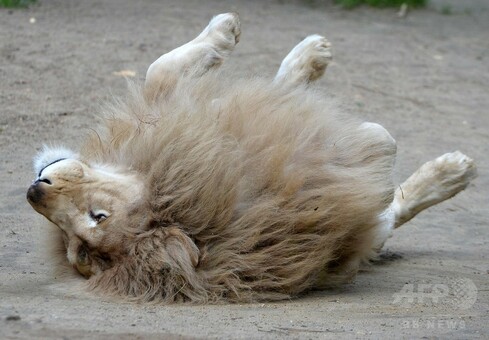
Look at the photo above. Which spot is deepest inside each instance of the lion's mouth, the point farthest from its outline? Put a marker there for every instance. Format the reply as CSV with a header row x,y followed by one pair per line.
x,y
54,162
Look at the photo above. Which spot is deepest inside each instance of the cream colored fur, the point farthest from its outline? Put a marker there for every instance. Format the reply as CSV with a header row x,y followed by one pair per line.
x,y
203,187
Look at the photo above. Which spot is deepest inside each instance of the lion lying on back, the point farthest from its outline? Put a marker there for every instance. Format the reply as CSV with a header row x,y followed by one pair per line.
x,y
204,188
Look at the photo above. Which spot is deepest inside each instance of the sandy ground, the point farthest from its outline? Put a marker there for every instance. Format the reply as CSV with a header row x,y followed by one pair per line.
x,y
425,78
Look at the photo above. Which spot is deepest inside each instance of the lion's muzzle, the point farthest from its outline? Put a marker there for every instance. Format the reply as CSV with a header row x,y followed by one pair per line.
x,y
35,193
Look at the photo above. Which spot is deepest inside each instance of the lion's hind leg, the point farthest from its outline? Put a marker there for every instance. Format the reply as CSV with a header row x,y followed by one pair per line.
x,y
434,182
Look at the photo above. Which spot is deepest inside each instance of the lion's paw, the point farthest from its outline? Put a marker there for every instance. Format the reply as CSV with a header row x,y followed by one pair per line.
x,y
434,182
452,172
222,33
308,60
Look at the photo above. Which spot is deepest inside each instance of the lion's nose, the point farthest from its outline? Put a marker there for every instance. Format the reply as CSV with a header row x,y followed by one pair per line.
x,y
35,193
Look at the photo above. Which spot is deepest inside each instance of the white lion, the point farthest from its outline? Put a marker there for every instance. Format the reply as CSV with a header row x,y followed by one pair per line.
x,y
201,187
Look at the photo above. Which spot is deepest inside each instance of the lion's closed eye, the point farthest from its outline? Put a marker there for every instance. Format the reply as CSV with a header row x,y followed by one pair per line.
x,y
98,216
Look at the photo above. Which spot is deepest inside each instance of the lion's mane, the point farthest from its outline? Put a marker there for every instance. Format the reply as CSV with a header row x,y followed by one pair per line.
x,y
269,190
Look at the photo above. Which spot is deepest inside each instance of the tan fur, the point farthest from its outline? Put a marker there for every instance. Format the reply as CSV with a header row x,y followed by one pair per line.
x,y
270,186
202,187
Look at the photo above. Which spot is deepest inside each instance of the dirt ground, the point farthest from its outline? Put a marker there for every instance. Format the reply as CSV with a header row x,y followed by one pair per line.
x,y
424,77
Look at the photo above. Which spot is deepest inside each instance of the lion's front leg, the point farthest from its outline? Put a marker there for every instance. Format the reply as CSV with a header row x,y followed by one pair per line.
x,y
207,50
306,62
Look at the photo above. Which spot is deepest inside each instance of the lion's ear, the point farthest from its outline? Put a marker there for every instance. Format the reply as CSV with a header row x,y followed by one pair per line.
x,y
181,248
161,267
51,154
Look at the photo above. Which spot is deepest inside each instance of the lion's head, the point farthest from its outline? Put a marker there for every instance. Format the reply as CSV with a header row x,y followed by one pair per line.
x,y
92,205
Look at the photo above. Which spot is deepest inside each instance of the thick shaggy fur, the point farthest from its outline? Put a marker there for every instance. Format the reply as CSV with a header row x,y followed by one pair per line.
x,y
255,191
202,188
